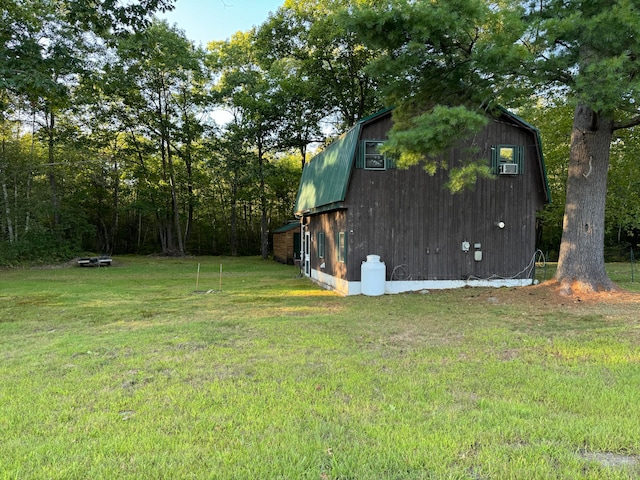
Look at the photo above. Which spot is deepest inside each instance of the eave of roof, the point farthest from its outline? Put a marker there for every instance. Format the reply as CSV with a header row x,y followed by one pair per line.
x,y
289,226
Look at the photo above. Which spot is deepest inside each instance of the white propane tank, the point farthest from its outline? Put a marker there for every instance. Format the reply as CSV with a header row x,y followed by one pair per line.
x,y
372,274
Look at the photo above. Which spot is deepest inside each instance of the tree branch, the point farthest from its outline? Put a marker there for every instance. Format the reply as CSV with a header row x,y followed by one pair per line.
x,y
632,122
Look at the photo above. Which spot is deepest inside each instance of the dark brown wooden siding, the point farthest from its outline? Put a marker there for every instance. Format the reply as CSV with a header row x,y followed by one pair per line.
x,y
417,226
377,129
330,223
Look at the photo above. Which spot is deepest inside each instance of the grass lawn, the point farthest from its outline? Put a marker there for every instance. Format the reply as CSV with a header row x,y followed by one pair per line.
x,y
125,372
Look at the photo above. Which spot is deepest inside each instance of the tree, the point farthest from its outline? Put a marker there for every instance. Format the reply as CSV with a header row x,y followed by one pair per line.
x,y
45,48
300,124
231,161
552,117
251,92
623,196
154,77
473,53
283,179
325,62
442,65
591,50
191,103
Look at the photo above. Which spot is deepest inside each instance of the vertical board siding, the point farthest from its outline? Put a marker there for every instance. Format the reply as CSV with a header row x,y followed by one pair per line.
x,y
417,226
330,224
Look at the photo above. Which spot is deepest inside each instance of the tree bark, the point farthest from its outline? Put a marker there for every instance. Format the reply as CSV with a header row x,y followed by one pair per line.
x,y
190,195
7,208
115,218
5,194
234,217
168,174
174,201
581,261
53,184
264,230
188,160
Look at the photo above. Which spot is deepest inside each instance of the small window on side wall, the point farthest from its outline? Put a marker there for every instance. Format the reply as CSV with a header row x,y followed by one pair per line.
x,y
507,159
373,159
341,243
321,244
370,157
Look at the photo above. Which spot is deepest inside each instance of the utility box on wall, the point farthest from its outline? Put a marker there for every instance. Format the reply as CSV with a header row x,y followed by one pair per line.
x,y
477,252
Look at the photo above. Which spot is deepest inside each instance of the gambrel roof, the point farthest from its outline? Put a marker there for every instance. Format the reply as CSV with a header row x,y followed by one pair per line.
x,y
325,178
536,132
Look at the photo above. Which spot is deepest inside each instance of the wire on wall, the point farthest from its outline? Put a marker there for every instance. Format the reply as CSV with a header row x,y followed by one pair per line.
x,y
526,271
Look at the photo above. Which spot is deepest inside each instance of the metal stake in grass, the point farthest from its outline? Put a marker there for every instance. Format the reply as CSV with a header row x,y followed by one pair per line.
x,y
198,282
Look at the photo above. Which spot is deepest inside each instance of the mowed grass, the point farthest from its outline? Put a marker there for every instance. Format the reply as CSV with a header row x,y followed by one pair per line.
x,y
125,372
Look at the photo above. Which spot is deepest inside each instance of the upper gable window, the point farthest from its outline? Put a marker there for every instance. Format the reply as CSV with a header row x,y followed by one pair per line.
x,y
507,159
370,157
373,159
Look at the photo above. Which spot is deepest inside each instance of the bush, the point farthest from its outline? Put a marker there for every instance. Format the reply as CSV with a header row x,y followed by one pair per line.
x,y
37,247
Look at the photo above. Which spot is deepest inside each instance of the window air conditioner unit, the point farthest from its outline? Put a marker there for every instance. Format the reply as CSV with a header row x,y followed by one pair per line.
x,y
508,169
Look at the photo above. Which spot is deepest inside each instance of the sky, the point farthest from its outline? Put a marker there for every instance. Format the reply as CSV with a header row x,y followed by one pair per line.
x,y
207,20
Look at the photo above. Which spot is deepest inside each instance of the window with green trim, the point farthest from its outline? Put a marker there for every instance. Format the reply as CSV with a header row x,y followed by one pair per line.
x,y
321,244
341,243
373,159
507,159
370,157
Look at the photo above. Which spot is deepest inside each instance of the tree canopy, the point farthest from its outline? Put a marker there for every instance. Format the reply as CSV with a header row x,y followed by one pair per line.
x,y
110,139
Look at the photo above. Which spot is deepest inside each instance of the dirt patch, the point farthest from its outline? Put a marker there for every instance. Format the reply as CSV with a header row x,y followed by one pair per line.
x,y
549,293
608,459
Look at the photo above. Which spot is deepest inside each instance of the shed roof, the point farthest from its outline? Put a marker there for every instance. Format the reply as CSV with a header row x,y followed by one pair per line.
x,y
287,227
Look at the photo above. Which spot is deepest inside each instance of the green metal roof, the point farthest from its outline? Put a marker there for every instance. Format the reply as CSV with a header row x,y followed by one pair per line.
x,y
287,227
325,178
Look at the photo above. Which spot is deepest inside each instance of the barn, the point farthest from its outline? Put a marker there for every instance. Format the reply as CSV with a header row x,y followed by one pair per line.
x,y
354,205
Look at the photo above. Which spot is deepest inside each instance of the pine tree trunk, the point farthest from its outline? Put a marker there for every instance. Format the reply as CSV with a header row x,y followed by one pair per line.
x,y
581,261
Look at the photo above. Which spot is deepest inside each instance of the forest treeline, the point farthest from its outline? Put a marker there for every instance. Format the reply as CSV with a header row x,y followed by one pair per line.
x,y
120,135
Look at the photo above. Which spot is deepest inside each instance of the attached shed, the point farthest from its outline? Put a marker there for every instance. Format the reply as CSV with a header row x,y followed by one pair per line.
x,y
353,202
286,243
